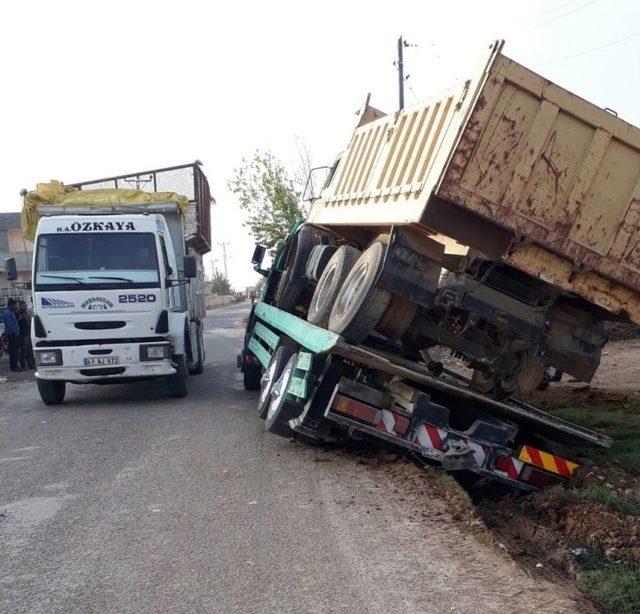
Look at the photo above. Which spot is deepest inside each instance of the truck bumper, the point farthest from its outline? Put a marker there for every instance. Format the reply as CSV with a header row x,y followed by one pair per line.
x,y
120,362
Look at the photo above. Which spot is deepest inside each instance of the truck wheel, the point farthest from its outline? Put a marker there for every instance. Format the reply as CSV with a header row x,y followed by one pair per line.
x,y
360,305
527,375
318,260
251,376
177,383
270,377
197,359
281,410
51,391
293,281
329,284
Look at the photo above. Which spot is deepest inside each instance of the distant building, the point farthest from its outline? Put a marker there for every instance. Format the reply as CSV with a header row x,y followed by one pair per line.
x,y
12,243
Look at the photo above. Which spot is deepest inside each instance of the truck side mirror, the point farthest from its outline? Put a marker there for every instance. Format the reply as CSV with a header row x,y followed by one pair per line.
x,y
258,255
10,269
190,266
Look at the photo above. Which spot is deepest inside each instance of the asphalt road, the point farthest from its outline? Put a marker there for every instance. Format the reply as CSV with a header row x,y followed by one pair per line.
x,y
122,500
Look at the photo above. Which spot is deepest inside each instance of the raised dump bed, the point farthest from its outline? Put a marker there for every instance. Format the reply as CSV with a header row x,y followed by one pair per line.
x,y
512,165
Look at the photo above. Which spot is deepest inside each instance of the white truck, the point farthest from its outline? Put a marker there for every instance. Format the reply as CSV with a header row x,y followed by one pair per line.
x,y
118,284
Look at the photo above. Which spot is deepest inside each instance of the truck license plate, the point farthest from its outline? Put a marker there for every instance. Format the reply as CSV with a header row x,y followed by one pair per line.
x,y
101,361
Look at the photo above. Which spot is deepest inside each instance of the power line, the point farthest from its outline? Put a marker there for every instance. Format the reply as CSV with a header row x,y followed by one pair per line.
x,y
579,8
554,9
575,55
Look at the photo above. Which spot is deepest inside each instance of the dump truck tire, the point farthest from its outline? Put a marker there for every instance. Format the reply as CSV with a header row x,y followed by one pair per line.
x,y
281,410
270,376
51,391
318,260
329,284
293,281
360,304
251,375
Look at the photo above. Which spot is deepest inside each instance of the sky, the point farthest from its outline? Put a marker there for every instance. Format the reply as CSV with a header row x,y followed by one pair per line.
x,y
92,89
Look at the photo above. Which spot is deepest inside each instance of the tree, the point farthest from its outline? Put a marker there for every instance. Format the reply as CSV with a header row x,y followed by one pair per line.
x,y
270,196
220,284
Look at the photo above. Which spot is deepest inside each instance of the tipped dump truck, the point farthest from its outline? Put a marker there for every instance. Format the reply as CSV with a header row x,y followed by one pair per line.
x,y
498,219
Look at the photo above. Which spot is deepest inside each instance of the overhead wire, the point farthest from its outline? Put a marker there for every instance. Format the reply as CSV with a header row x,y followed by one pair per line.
x,y
571,12
591,50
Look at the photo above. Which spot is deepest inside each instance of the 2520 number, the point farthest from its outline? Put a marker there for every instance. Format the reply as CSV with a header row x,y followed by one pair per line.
x,y
137,298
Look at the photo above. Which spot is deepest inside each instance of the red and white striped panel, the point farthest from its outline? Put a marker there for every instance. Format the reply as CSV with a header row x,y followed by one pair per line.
x,y
508,466
430,437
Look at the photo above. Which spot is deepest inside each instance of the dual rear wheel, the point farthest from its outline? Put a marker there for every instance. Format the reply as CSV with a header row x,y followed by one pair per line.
x,y
347,299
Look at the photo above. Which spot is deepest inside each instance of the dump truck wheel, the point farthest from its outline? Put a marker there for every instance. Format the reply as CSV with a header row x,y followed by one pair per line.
x,y
329,284
251,376
271,375
51,391
527,376
318,260
360,305
281,409
293,280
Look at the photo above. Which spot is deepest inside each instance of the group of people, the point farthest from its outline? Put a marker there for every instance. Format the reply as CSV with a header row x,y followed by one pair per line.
x,y
17,326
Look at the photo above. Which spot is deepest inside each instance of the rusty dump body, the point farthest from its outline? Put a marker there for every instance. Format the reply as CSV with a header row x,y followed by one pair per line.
x,y
512,166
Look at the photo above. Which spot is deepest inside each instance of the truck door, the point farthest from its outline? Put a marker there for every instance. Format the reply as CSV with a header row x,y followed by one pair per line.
x,y
170,272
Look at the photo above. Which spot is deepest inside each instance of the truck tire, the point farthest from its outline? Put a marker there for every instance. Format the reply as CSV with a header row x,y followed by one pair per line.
x,y
51,391
281,410
177,383
293,281
251,375
329,284
271,375
360,304
197,358
318,260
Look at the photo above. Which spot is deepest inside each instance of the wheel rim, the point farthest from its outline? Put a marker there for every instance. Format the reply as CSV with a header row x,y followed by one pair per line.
x,y
351,288
266,382
279,390
321,295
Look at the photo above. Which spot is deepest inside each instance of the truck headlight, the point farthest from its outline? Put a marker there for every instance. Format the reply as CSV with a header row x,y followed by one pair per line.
x,y
159,351
47,358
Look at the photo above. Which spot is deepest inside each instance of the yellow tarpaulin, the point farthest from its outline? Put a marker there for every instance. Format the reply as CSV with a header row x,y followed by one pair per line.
x,y
54,193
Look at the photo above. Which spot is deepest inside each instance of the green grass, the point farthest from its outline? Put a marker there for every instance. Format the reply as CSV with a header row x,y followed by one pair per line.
x,y
613,588
594,493
622,427
597,493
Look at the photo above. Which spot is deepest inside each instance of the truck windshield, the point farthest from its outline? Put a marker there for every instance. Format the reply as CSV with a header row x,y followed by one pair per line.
x,y
105,260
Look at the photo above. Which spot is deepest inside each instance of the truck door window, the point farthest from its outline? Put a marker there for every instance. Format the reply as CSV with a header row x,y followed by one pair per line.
x,y
167,268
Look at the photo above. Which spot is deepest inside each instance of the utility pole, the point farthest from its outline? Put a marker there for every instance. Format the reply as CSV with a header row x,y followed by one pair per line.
x,y
401,44
224,257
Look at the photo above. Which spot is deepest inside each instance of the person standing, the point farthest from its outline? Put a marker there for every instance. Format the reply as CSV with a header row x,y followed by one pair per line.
x,y
13,330
24,324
